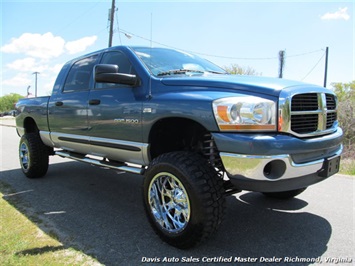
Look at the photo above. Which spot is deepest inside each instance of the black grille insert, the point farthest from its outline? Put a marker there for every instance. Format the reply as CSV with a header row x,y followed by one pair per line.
x,y
331,118
304,124
304,102
331,103
308,109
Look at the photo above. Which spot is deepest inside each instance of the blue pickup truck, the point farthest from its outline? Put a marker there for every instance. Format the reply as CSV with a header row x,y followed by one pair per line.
x,y
195,132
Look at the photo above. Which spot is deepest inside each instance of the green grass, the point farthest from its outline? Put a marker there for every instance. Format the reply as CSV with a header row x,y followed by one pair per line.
x,y
347,167
23,243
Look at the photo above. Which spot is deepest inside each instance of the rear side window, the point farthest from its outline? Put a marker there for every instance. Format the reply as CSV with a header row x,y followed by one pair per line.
x,y
80,74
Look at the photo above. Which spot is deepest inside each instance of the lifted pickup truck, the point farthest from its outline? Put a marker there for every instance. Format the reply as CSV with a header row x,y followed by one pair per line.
x,y
195,132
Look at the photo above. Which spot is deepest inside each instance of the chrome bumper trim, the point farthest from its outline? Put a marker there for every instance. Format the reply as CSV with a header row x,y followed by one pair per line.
x,y
252,167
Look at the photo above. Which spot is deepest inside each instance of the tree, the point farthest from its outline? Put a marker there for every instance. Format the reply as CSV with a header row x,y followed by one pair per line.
x,y
238,70
344,90
8,102
346,114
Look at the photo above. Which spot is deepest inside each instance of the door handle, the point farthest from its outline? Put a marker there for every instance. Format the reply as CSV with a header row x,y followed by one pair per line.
x,y
58,103
94,102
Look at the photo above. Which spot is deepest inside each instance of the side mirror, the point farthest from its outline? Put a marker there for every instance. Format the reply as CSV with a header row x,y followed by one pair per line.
x,y
109,74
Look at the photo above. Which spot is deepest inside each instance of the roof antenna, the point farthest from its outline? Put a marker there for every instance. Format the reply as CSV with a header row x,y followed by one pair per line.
x,y
150,96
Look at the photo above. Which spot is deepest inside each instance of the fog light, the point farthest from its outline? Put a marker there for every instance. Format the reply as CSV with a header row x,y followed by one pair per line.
x,y
274,169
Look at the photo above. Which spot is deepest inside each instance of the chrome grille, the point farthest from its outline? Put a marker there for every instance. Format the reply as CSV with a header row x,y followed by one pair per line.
x,y
308,114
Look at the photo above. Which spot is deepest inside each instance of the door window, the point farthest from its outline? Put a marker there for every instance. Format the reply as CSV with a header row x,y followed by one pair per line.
x,y
80,74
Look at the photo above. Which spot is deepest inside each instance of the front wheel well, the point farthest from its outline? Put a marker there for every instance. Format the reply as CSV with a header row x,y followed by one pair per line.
x,y
175,134
181,134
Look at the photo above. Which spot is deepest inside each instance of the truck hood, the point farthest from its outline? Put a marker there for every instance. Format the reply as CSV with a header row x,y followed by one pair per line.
x,y
264,85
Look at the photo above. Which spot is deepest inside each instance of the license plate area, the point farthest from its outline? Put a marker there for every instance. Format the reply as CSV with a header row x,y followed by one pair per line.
x,y
330,167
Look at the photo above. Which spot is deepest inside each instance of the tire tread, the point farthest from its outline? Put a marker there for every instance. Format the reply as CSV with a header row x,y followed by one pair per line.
x,y
208,187
39,158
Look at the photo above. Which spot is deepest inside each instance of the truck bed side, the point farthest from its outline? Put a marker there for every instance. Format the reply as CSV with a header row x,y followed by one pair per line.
x,y
32,111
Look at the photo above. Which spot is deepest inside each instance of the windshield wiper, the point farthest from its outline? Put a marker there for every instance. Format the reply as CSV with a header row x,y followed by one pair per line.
x,y
178,71
216,72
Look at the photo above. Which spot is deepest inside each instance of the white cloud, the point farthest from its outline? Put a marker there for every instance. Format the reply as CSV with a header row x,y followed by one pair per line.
x,y
38,52
19,83
20,80
30,64
26,64
56,68
342,13
80,45
48,86
44,46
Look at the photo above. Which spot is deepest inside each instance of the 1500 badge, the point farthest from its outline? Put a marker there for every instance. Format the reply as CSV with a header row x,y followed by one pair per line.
x,y
126,120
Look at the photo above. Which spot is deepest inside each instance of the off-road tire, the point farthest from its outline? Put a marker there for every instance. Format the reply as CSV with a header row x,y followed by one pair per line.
x,y
193,194
33,155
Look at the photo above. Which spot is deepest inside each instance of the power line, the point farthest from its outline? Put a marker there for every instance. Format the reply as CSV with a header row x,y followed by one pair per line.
x,y
213,55
306,53
118,24
130,34
127,33
313,67
193,52
78,16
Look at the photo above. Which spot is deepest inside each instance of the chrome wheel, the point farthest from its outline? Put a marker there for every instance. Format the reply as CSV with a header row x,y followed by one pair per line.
x,y
169,202
33,155
24,156
183,198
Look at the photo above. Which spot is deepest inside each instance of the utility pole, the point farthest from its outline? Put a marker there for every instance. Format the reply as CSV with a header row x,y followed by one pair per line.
x,y
281,63
326,67
111,19
35,73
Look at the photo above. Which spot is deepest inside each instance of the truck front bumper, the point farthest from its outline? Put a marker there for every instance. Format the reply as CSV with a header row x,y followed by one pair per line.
x,y
272,163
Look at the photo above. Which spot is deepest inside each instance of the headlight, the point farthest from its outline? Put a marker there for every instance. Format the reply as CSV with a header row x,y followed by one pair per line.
x,y
247,113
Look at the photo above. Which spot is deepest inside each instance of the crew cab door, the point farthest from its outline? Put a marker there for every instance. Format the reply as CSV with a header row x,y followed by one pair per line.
x,y
68,112
115,115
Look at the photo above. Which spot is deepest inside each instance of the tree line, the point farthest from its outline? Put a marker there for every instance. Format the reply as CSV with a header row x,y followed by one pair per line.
x,y
7,102
346,115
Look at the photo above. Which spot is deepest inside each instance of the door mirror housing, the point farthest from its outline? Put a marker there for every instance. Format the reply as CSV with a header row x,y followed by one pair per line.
x,y
107,73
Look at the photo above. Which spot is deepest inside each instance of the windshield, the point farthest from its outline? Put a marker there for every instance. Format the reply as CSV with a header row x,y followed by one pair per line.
x,y
166,62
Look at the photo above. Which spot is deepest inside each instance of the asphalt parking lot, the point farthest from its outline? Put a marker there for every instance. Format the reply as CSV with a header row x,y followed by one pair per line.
x,y
101,213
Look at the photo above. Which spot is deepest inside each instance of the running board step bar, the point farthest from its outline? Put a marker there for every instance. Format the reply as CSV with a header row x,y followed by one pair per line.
x,y
102,163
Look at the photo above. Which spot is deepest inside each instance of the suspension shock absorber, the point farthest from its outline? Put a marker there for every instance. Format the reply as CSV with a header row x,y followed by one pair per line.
x,y
210,151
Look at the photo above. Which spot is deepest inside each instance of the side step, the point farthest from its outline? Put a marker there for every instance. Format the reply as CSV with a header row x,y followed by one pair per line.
x,y
102,163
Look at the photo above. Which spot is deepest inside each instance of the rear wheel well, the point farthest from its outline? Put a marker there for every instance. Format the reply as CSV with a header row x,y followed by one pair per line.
x,y
30,125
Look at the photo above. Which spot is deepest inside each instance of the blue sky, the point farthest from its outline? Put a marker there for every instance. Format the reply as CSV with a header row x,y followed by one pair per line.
x,y
41,36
